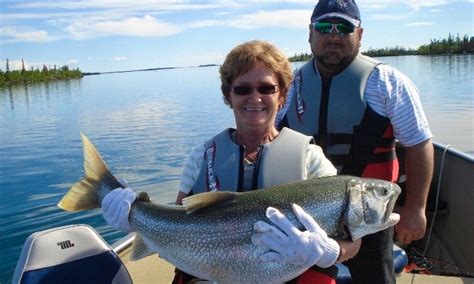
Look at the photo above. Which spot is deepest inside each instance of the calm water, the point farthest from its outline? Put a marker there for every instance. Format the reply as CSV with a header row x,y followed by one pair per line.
x,y
145,124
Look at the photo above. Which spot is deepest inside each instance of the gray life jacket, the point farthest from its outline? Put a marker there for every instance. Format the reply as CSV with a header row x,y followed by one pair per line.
x,y
356,139
281,161
346,105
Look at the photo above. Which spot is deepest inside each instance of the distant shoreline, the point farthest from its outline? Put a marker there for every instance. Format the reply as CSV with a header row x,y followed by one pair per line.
x,y
452,45
305,56
146,69
24,76
17,77
447,46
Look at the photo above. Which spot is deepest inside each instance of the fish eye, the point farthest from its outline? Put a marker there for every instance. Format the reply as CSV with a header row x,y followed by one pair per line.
x,y
380,190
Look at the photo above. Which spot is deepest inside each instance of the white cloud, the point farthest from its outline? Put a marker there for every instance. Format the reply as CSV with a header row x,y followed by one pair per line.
x,y
147,26
119,58
204,23
287,18
419,24
389,16
260,19
16,34
89,19
130,5
412,3
30,16
425,3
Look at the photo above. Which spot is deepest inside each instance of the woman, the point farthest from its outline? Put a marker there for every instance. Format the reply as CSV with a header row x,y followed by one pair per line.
x,y
255,77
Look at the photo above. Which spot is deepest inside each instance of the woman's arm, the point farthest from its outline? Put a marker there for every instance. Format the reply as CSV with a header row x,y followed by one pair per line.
x,y
190,173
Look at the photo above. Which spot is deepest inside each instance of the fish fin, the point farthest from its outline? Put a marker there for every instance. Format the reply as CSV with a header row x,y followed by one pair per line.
x,y
140,249
83,194
200,201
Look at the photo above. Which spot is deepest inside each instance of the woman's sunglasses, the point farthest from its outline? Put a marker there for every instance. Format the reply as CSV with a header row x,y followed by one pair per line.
x,y
262,90
327,28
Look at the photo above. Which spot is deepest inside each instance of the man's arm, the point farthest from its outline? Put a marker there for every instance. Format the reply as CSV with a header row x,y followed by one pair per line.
x,y
348,249
419,161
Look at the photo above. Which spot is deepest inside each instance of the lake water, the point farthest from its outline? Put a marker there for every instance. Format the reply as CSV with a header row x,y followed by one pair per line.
x,y
145,124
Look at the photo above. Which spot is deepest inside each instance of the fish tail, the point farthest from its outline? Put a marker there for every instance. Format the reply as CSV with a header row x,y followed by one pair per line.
x,y
84,194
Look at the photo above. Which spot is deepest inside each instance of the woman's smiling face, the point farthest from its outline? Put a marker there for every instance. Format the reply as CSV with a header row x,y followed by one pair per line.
x,y
255,111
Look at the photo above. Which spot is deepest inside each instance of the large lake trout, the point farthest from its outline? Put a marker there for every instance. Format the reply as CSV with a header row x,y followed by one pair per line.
x,y
210,235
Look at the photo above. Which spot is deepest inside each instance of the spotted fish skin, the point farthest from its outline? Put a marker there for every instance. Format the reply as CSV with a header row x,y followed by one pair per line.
x,y
210,235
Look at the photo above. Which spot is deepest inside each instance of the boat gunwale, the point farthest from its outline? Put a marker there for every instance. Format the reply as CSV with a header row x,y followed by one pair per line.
x,y
123,243
456,152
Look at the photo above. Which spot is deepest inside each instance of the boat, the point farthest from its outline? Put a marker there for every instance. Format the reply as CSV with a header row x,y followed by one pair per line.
x,y
444,255
446,248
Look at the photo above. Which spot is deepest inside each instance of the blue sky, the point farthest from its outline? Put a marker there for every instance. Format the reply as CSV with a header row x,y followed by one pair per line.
x,y
111,35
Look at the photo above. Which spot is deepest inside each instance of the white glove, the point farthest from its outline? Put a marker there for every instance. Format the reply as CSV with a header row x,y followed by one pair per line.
x,y
287,244
116,207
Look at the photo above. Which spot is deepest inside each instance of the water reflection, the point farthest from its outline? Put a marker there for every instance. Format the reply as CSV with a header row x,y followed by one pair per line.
x,y
23,95
10,96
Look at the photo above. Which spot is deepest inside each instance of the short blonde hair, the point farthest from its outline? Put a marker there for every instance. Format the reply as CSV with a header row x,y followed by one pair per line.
x,y
246,56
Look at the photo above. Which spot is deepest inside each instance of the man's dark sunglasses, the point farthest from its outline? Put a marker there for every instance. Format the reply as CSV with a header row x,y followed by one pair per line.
x,y
327,28
262,90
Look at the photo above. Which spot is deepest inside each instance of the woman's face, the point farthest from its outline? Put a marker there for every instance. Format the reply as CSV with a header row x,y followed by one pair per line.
x,y
255,107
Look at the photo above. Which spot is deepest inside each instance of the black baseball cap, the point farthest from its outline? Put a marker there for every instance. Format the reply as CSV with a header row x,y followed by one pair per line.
x,y
342,9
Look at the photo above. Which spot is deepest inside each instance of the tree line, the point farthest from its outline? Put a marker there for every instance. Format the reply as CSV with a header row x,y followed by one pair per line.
x,y
11,77
450,45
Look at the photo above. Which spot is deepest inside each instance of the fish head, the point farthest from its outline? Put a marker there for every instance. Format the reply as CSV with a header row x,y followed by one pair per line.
x,y
370,206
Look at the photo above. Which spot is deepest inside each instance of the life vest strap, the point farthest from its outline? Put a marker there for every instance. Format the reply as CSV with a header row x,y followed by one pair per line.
x,y
332,139
373,158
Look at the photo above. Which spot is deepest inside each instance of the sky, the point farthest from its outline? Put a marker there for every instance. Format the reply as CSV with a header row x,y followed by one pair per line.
x,y
117,35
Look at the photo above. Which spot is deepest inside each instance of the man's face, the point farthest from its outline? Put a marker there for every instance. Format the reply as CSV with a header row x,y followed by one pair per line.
x,y
334,50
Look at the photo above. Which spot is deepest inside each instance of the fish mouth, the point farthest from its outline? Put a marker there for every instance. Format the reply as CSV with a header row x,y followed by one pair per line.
x,y
392,219
393,196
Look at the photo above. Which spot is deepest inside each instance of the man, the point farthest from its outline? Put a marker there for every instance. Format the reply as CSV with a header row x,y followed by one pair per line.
x,y
356,107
